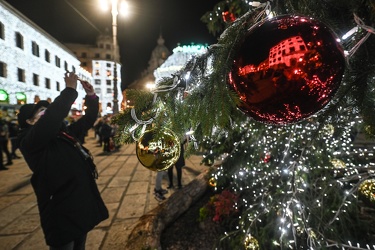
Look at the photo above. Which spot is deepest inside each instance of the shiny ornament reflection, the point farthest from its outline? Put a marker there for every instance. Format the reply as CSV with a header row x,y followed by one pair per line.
x,y
158,150
286,69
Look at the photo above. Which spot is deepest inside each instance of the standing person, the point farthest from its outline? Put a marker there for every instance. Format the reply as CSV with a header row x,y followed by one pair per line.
x,y
159,192
107,133
13,131
4,140
64,173
178,165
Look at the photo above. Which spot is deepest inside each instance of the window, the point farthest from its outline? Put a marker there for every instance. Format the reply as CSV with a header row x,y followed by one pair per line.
x,y
3,68
98,81
109,73
35,79
1,30
35,48
57,61
21,75
19,40
47,56
109,65
98,90
109,91
48,83
97,72
109,83
101,46
107,56
74,69
66,66
84,55
97,55
108,46
57,86
83,64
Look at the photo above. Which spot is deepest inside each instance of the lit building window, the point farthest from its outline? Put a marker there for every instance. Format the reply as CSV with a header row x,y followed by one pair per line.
x,y
97,72
109,73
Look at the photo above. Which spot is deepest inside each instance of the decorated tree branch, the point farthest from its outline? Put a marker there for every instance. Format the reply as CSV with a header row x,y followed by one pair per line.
x,y
285,99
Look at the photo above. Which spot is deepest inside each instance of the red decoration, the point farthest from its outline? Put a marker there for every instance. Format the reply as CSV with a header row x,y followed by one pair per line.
x,y
287,69
267,158
228,17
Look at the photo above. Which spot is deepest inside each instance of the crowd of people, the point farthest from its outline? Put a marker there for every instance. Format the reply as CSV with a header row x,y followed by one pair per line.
x,y
104,133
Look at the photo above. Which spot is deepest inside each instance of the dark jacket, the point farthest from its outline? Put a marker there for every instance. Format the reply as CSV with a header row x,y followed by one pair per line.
x,y
69,202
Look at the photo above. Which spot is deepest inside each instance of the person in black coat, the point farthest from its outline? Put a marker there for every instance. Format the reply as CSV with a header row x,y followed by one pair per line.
x,y
64,173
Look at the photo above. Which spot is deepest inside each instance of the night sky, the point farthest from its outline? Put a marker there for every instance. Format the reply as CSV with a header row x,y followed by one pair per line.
x,y
79,21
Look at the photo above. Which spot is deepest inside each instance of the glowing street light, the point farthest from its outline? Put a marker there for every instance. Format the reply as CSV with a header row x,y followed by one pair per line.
x,y
116,6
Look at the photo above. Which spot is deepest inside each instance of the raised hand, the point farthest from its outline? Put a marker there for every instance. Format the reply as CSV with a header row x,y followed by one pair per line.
x,y
71,80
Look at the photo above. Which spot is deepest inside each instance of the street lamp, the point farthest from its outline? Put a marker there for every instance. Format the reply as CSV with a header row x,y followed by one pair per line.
x,y
115,7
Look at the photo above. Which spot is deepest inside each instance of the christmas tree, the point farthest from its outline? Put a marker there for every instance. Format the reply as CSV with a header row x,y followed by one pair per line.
x,y
285,100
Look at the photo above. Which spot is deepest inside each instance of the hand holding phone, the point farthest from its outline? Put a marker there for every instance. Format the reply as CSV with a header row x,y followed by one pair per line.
x,y
87,87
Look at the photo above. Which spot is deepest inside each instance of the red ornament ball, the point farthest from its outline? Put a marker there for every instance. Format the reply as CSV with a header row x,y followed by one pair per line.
x,y
228,17
286,69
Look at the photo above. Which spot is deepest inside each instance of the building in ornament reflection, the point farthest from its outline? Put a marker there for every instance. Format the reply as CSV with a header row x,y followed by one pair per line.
x,y
33,63
285,54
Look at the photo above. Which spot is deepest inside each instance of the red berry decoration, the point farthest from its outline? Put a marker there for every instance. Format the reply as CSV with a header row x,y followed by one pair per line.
x,y
287,69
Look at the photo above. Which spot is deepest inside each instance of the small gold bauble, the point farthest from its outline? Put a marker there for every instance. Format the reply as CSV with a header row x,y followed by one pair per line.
x,y
338,163
212,182
367,190
158,150
251,243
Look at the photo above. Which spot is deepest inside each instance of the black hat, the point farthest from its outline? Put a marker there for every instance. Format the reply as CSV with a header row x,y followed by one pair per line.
x,y
27,111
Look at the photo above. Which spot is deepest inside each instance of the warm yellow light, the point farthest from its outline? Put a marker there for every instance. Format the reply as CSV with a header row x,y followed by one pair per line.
x,y
104,5
124,8
150,85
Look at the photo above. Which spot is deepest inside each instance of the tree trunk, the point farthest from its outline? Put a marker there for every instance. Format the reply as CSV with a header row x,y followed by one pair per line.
x,y
146,234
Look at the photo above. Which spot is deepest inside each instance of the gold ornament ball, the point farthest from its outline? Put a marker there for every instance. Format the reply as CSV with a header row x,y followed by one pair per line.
x,y
212,182
338,163
158,150
367,189
251,243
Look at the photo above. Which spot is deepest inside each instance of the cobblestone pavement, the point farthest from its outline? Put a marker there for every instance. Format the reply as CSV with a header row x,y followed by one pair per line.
x,y
126,187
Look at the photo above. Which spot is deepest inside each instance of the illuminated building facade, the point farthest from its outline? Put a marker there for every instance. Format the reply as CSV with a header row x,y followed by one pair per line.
x,y
33,63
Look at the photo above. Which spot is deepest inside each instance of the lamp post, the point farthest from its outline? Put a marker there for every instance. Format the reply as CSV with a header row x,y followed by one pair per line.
x,y
114,11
